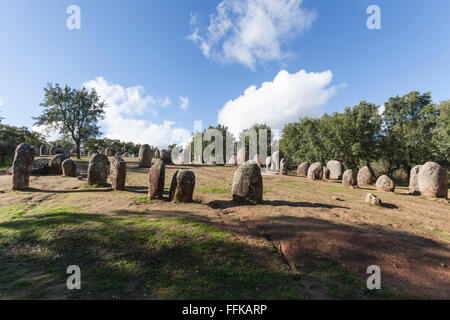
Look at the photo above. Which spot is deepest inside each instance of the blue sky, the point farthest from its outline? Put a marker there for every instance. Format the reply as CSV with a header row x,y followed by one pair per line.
x,y
141,55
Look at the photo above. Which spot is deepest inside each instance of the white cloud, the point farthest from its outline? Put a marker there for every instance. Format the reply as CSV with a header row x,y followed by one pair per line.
x,y
251,31
124,111
184,103
1,103
49,133
276,103
166,102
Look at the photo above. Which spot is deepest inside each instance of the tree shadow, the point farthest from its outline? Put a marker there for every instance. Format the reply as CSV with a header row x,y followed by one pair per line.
x,y
99,189
226,204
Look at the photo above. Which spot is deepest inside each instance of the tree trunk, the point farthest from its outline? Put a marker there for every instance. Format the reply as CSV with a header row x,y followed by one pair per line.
x,y
78,150
371,170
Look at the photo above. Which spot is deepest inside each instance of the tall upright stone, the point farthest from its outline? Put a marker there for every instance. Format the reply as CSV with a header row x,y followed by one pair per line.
x,y
43,150
108,152
98,169
22,166
315,171
257,160
166,157
145,156
275,164
336,170
242,156
349,178
55,163
384,183
433,180
414,180
69,168
156,176
283,167
302,169
268,163
248,183
52,151
118,173
182,187
365,176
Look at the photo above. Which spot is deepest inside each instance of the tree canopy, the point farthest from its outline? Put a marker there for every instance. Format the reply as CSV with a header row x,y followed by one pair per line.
x,y
75,113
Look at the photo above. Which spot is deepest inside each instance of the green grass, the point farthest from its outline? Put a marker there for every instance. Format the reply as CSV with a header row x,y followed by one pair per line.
x,y
144,199
214,189
442,233
129,257
5,165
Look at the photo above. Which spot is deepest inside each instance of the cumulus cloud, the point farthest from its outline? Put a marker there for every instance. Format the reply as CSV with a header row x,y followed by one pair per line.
x,y
124,112
278,102
184,103
251,31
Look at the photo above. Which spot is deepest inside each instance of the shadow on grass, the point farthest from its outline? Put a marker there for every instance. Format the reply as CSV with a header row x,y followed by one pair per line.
x,y
225,204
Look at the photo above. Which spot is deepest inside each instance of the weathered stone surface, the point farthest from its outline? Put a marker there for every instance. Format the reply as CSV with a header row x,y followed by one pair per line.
x,y
384,183
349,178
336,169
98,169
325,173
55,163
22,166
36,151
108,152
69,168
118,173
185,156
373,199
365,176
414,180
41,166
433,180
275,164
257,160
43,150
182,187
302,169
52,151
145,156
232,161
315,171
166,157
156,176
283,167
248,183
268,162
242,156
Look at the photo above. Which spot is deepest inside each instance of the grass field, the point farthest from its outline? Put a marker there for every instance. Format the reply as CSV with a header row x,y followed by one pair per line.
x,y
297,244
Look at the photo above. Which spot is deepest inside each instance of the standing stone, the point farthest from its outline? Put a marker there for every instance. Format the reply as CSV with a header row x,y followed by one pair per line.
x,y
43,151
166,157
242,156
315,171
232,161
283,167
268,163
336,170
248,183
349,178
69,168
41,166
384,183
118,173
258,161
182,187
36,151
52,151
22,166
373,199
108,152
326,173
433,180
145,156
185,156
275,164
156,176
157,155
414,180
98,169
365,176
55,164
302,169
